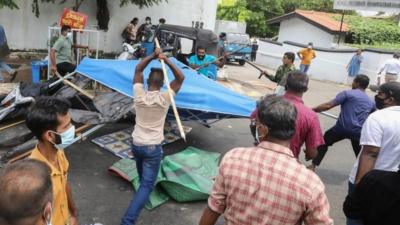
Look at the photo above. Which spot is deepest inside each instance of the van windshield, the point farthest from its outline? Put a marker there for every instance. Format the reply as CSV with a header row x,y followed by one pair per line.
x,y
238,38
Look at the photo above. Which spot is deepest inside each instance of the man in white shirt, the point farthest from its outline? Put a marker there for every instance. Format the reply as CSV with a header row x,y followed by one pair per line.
x,y
391,68
380,137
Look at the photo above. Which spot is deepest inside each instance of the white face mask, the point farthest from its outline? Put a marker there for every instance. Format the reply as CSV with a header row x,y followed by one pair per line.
x,y
48,218
69,35
67,137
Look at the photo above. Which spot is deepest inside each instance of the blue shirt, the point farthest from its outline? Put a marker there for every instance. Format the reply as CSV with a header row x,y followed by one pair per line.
x,y
355,108
194,60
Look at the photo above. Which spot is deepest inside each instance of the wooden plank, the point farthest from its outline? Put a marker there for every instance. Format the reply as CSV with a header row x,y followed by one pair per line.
x,y
11,125
67,82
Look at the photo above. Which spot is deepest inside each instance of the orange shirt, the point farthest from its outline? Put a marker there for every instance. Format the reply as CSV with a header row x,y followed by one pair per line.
x,y
307,56
59,181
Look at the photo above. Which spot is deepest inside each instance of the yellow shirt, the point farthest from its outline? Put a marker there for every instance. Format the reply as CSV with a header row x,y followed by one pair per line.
x,y
307,56
59,181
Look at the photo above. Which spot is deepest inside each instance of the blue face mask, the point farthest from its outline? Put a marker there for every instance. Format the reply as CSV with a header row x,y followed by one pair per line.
x,y
67,137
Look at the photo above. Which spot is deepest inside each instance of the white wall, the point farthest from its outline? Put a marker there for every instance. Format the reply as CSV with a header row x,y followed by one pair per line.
x,y
25,31
297,30
329,66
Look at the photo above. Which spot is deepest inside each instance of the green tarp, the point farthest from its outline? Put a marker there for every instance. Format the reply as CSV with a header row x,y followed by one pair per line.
x,y
185,176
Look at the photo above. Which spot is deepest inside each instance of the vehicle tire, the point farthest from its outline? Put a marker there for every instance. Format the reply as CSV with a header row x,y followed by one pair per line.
x,y
242,62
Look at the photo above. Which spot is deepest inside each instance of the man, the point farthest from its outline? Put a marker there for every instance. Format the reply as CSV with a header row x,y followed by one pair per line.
x,y
391,68
355,108
201,61
130,32
306,55
26,193
282,71
221,44
267,184
151,109
354,65
376,199
50,121
4,51
61,52
308,128
145,32
254,49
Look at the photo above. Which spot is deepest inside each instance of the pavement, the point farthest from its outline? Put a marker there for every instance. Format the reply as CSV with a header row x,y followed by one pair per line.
x,y
103,198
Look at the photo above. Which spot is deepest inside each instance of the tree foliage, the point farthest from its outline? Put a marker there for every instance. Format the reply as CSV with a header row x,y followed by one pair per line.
x,y
256,12
9,4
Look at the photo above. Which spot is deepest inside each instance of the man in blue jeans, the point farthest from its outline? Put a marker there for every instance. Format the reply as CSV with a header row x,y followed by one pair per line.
x,y
151,107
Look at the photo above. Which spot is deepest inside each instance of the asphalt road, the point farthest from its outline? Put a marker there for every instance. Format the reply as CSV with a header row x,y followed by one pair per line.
x,y
103,198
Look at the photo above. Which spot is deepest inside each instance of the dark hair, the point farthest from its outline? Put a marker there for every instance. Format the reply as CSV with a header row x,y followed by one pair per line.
x,y
290,55
362,80
396,55
279,116
148,18
297,81
65,28
42,116
200,47
134,20
156,77
310,43
162,20
391,89
25,188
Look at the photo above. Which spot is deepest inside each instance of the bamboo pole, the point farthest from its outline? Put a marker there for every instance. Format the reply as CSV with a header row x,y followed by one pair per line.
x,y
67,82
177,118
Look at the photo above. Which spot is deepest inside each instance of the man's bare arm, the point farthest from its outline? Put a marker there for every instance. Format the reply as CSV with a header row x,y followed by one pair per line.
x,y
71,205
324,107
209,217
138,77
368,158
53,60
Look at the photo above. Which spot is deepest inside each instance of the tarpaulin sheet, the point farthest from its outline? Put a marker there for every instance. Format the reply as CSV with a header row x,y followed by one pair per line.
x,y
185,176
198,93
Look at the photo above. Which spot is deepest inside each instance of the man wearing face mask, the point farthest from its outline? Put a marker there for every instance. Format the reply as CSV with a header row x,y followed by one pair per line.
x,y
26,193
267,184
201,61
50,121
61,52
379,137
145,31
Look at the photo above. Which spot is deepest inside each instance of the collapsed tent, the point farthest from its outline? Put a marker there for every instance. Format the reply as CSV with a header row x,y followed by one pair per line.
x,y
199,99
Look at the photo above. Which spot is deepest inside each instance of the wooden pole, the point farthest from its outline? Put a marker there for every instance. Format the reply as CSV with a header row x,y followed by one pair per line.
x,y
177,118
67,82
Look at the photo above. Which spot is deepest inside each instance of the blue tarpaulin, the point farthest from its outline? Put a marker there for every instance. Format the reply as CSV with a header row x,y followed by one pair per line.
x,y
199,97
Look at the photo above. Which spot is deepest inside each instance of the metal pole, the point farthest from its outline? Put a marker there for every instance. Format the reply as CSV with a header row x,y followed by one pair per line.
x,y
97,45
48,53
329,115
341,27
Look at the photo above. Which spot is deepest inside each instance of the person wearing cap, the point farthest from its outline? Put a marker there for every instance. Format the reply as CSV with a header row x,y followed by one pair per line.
x,y
379,137
391,68
306,55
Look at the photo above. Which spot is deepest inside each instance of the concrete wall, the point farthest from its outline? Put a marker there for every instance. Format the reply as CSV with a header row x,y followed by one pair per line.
x,y
25,31
329,65
297,30
229,27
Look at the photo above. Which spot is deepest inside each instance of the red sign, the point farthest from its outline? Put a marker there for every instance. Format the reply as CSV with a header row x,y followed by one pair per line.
x,y
73,19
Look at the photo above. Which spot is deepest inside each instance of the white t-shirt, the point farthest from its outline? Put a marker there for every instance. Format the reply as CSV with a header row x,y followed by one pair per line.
x,y
382,129
392,66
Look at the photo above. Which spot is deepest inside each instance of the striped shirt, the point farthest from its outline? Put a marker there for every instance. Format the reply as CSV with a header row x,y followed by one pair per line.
x,y
267,185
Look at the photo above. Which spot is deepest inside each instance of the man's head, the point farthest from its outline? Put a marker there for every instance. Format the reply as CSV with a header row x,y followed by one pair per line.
x,y
359,51
156,79
222,36
361,81
201,52
162,21
396,55
135,21
26,193
276,119
148,20
50,121
66,30
288,58
297,82
388,95
310,45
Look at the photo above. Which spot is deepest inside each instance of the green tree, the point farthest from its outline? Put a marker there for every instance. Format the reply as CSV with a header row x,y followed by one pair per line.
x,y
9,4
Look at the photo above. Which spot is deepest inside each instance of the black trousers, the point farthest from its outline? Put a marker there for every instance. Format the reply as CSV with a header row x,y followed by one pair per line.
x,y
65,67
331,137
253,56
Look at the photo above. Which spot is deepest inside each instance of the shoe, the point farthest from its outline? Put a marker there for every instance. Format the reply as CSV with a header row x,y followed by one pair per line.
x,y
13,75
